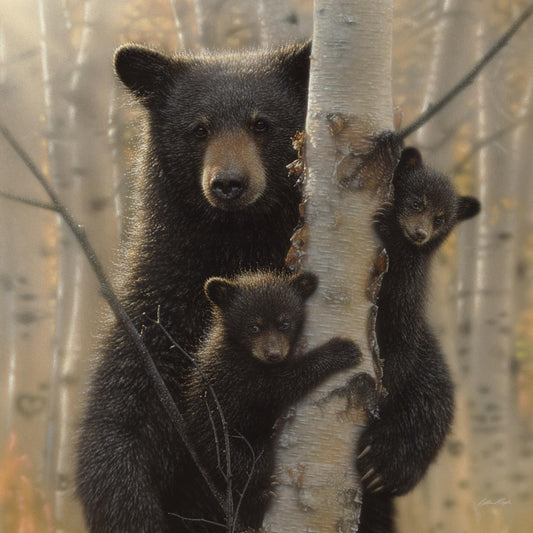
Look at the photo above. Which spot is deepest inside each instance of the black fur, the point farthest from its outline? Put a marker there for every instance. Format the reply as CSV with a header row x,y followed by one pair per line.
x,y
249,358
126,462
416,414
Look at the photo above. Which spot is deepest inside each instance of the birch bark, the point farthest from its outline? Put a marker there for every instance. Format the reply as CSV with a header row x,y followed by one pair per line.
x,y
318,483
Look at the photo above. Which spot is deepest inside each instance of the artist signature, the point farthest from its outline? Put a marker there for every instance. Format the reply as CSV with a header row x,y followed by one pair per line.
x,y
499,502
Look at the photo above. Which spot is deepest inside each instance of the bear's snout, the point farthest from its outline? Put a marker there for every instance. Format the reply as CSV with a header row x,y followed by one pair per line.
x,y
229,185
233,174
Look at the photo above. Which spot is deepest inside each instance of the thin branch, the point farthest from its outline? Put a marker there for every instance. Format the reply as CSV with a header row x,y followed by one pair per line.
x,y
468,78
255,459
203,520
481,143
217,445
27,201
229,492
117,308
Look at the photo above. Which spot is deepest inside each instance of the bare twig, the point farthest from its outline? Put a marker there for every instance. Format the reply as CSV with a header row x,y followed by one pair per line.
x,y
250,474
120,313
205,378
468,78
480,143
203,520
27,201
217,445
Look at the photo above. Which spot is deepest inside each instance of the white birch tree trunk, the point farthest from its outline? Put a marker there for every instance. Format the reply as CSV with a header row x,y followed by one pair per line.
x,y
226,23
319,489
492,320
281,22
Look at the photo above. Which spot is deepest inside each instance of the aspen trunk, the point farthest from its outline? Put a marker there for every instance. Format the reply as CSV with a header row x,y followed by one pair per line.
x,y
281,22
493,316
319,488
442,500
226,23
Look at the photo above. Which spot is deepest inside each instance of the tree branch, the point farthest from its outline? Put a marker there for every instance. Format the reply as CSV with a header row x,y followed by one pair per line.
x,y
120,313
468,78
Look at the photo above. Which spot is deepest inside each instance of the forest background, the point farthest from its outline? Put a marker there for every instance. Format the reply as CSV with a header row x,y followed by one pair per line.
x,y
62,103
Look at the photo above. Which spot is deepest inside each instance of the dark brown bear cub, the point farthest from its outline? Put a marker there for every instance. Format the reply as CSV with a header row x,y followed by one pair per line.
x,y
415,416
250,358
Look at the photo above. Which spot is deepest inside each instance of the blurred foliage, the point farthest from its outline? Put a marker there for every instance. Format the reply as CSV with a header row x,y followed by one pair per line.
x,y
23,507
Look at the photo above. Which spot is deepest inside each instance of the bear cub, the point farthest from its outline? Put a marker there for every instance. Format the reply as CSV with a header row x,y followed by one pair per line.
x,y
395,450
250,359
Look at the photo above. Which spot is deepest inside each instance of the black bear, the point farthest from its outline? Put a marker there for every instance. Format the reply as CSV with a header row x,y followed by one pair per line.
x,y
396,449
249,358
212,198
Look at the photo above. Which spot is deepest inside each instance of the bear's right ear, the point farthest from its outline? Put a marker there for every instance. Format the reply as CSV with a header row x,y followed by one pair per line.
x,y
142,70
305,284
220,291
295,60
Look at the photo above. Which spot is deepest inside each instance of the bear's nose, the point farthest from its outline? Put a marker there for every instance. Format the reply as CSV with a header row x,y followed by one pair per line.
x,y
421,234
274,356
228,185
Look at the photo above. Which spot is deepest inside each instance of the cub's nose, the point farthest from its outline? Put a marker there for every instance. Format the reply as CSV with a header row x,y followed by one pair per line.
x,y
421,234
274,356
228,185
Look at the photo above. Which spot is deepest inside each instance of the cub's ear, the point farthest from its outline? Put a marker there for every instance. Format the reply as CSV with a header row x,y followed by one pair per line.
x,y
144,71
467,207
305,284
220,291
410,158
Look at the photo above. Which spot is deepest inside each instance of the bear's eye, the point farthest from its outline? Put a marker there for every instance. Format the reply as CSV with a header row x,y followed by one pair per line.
x,y
416,205
284,325
438,221
201,131
254,328
260,125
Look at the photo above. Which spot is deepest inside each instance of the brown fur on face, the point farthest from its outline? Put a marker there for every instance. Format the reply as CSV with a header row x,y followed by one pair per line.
x,y
233,153
271,346
418,228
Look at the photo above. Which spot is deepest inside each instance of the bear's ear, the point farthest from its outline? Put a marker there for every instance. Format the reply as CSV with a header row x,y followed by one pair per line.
x,y
467,207
295,60
220,291
410,158
142,70
305,284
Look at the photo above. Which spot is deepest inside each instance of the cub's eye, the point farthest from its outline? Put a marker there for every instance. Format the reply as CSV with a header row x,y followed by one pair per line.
x,y
438,221
260,125
201,132
416,205
284,325
254,328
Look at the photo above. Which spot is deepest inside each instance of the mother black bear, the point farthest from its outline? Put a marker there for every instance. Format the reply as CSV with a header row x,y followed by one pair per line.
x,y
212,197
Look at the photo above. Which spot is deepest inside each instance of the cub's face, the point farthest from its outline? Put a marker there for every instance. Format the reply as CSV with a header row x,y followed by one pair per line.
x,y
424,217
426,205
221,124
262,313
270,335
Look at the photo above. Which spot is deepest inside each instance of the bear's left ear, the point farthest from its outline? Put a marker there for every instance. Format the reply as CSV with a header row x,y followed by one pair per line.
x,y
305,284
220,291
467,207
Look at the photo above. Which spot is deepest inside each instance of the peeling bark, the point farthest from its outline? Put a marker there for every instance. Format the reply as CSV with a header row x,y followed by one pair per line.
x,y
346,181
